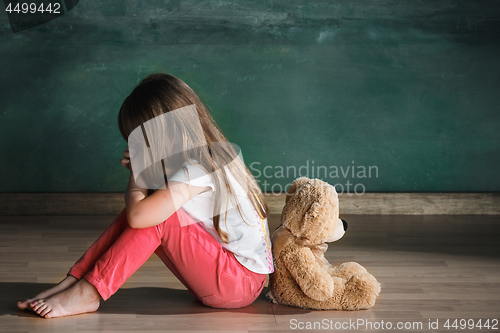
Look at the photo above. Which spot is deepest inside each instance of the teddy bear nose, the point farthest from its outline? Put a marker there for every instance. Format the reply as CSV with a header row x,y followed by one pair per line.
x,y
345,224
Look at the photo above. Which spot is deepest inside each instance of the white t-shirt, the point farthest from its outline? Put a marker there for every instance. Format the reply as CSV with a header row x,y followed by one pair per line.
x,y
249,241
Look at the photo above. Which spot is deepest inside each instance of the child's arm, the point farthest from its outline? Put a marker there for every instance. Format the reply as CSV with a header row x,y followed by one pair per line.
x,y
146,211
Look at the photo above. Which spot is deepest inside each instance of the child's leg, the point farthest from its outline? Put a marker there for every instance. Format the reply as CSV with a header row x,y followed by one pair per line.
x,y
170,265
129,251
86,262
123,257
100,246
210,273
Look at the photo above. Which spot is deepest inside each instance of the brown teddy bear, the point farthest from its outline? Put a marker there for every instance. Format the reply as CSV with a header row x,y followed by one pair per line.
x,y
302,276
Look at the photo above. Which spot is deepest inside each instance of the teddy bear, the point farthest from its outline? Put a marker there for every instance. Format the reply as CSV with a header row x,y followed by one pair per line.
x,y
302,275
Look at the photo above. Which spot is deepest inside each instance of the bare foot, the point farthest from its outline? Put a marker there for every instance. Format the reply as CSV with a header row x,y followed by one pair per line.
x,y
82,297
63,285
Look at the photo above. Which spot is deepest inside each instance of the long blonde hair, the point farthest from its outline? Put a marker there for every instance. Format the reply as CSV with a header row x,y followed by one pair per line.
x,y
160,93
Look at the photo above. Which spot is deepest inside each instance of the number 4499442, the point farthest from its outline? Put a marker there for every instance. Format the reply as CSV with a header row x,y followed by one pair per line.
x,y
471,324
53,8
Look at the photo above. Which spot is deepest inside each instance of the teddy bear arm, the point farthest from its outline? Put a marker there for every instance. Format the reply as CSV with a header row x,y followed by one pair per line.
x,y
312,279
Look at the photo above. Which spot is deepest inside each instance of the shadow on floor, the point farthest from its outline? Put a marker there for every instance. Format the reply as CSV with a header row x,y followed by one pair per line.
x,y
143,301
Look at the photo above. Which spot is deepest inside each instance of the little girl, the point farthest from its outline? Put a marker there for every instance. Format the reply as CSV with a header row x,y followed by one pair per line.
x,y
207,223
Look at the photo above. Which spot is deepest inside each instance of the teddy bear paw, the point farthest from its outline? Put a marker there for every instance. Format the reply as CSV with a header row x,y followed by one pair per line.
x,y
361,291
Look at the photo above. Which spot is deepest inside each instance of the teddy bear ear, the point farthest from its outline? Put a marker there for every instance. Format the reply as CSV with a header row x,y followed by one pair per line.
x,y
295,187
310,221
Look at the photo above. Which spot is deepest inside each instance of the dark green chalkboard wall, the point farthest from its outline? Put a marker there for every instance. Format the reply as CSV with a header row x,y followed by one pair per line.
x,y
408,90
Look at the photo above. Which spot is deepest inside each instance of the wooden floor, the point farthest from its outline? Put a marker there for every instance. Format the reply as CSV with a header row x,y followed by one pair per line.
x,y
431,268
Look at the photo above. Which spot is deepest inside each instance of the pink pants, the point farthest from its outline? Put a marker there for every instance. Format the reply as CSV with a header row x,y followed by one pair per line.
x,y
210,273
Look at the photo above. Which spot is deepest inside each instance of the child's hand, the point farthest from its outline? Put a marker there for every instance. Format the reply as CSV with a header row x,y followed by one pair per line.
x,y
126,160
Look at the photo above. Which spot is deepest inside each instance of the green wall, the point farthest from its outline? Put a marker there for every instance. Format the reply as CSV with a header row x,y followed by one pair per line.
x,y
408,88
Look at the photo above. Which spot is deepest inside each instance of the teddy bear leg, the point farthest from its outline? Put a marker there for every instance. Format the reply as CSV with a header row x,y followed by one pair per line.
x,y
347,269
361,291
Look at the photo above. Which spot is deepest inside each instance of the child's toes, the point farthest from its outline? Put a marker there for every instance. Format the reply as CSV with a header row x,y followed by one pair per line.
x,y
36,304
40,308
45,311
